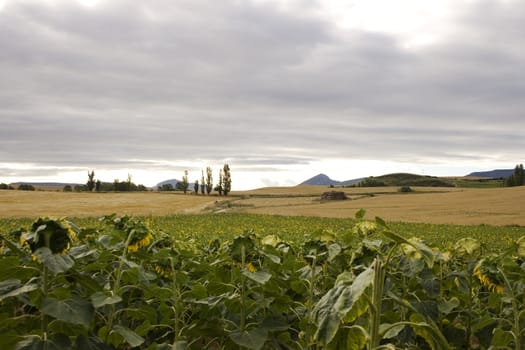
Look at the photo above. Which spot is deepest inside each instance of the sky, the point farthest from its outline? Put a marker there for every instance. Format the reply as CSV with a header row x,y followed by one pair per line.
x,y
280,90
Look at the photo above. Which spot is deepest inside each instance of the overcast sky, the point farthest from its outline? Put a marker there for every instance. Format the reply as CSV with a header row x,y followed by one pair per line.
x,y
280,90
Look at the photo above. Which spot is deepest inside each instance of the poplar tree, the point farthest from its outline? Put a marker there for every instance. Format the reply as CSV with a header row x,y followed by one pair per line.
x,y
209,180
196,187
219,186
202,183
185,183
226,180
91,181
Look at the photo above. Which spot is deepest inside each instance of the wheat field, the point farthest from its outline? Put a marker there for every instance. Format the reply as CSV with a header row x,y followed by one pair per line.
x,y
496,206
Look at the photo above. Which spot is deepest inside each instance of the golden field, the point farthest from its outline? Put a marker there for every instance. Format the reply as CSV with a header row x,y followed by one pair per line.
x,y
495,206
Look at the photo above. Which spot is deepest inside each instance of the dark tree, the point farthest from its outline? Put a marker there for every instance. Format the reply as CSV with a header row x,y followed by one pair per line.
x,y
209,180
184,182
202,183
220,185
226,180
517,178
196,187
91,181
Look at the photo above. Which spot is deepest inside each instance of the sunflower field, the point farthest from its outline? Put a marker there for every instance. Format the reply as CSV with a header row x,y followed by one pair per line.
x,y
127,283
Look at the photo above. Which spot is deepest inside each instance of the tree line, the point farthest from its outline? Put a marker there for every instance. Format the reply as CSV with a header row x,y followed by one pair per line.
x,y
517,178
95,185
205,186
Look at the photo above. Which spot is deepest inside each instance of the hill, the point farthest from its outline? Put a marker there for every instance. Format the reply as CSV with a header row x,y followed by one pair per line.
x,y
494,174
406,179
397,179
324,180
172,182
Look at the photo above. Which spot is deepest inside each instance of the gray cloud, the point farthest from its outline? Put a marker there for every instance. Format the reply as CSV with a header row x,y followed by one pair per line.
x,y
253,83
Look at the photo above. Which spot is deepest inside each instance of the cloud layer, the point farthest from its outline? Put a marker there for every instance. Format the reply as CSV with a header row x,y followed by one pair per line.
x,y
260,84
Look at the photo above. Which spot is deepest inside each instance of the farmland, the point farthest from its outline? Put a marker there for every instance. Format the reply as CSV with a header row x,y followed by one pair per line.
x,y
462,206
192,272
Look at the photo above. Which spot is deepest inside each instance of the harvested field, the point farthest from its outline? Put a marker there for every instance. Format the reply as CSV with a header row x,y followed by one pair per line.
x,y
497,206
15,204
464,206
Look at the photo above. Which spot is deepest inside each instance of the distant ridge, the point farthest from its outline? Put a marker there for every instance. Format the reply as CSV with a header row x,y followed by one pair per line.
x,y
495,174
324,180
172,182
43,184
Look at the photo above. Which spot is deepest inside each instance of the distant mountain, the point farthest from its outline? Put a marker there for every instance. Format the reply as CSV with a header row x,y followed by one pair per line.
x,y
324,180
397,179
495,174
172,182
43,184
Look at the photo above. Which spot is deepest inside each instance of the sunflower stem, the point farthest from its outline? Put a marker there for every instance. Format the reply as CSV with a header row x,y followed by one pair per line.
x,y
116,286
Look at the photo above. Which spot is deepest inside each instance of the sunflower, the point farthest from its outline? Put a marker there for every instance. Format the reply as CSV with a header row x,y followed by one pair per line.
x,y
163,269
485,273
55,234
139,240
250,267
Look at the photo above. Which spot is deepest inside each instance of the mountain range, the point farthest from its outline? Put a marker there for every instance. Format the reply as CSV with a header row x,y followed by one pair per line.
x,y
325,180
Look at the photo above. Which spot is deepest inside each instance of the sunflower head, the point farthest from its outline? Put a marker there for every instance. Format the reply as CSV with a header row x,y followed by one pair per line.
x,y
487,273
55,234
163,269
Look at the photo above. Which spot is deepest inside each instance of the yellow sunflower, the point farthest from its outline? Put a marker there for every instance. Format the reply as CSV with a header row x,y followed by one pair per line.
x,y
251,268
487,278
140,240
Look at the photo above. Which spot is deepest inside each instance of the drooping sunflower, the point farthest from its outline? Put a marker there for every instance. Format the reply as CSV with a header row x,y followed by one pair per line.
x,y
163,269
140,238
486,272
56,234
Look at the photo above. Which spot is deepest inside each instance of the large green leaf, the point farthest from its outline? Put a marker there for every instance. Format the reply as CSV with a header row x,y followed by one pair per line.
x,y
53,342
349,338
337,302
427,253
14,287
90,343
501,339
130,336
100,299
260,276
253,339
75,310
56,263
427,330
469,248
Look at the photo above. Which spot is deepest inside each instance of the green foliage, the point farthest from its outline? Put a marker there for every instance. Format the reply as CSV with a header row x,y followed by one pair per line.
x,y
4,186
91,181
184,184
196,187
209,180
290,283
166,187
403,179
26,187
518,178
68,188
405,189
226,180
